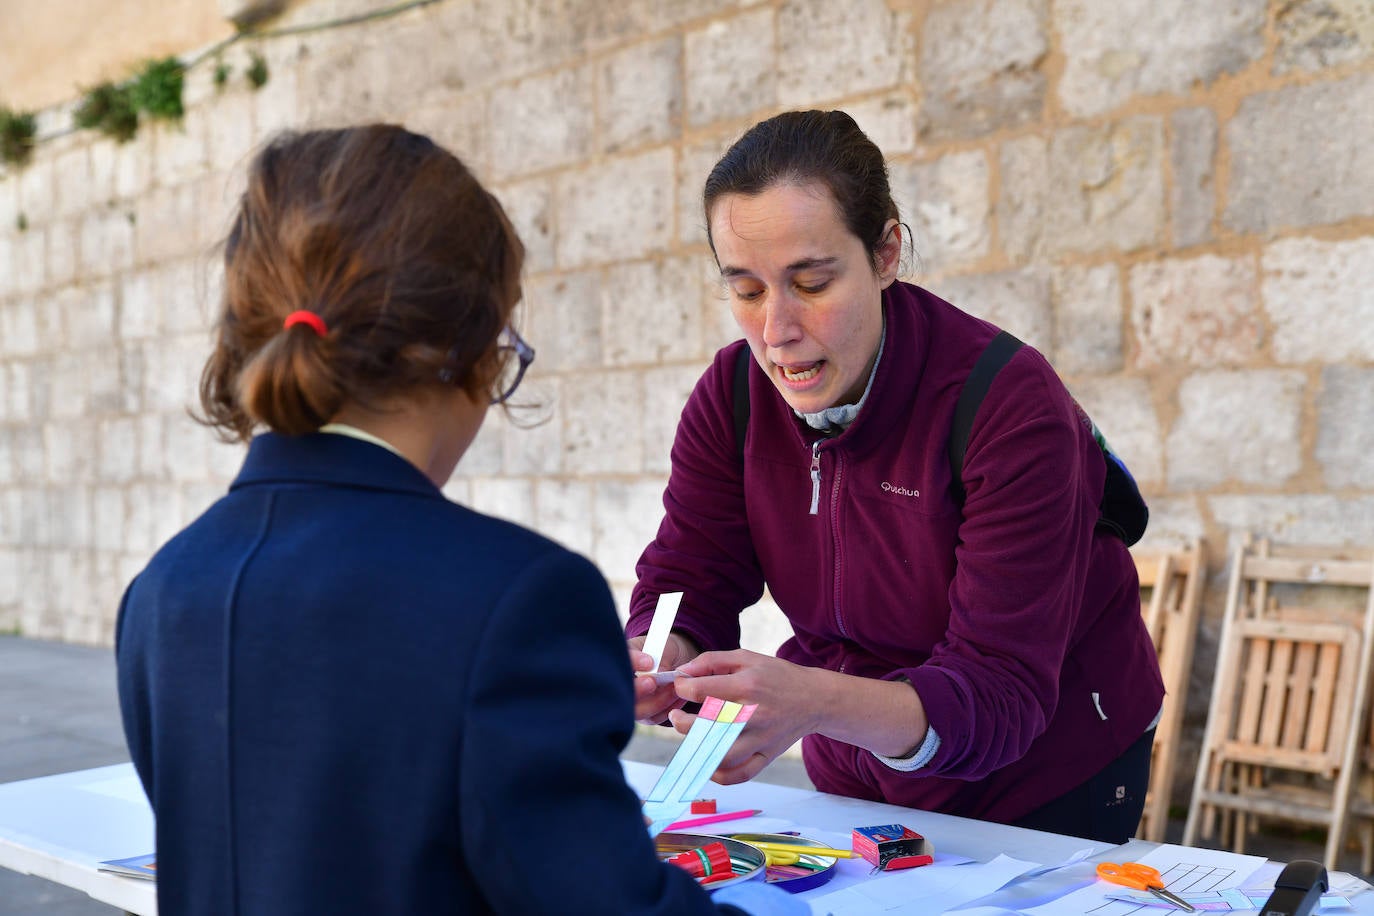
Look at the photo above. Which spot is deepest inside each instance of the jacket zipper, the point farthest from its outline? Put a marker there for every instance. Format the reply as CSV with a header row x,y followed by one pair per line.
x,y
835,542
816,475
834,524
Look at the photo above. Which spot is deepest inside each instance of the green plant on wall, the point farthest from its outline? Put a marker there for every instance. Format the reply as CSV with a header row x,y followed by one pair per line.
x,y
17,131
157,88
109,109
257,71
113,108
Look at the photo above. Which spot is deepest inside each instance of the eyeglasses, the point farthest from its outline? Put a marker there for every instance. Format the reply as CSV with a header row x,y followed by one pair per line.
x,y
512,370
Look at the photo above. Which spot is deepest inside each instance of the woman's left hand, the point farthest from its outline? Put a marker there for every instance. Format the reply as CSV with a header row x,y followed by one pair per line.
x,y
785,693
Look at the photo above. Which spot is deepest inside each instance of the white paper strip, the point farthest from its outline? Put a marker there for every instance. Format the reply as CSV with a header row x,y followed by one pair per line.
x,y
664,615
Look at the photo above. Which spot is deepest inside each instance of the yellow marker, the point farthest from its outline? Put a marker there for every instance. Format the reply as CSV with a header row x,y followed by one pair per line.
x,y
788,848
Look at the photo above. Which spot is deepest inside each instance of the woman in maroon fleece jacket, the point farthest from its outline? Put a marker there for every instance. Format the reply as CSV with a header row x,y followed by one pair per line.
x,y
984,658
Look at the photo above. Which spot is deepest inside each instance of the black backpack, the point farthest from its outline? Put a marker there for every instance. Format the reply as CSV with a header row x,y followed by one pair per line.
x,y
1122,510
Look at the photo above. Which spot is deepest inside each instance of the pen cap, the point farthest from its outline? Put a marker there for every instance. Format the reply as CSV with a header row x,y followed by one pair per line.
x,y
711,859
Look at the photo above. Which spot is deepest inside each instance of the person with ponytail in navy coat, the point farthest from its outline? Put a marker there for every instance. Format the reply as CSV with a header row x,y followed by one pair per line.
x,y
342,692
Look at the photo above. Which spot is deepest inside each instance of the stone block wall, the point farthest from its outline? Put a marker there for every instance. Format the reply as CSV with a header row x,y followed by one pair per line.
x,y
1174,201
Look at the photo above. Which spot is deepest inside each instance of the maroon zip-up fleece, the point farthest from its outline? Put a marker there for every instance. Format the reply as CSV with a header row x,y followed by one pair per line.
x,y
1014,619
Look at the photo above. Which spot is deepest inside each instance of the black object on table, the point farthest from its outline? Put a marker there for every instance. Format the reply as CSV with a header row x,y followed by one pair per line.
x,y
1298,888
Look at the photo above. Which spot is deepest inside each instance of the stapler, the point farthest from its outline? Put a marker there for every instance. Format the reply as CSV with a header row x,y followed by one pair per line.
x,y
1298,888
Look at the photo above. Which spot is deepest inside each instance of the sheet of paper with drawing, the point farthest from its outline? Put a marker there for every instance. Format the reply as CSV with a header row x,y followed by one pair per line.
x,y
717,726
1185,871
1227,901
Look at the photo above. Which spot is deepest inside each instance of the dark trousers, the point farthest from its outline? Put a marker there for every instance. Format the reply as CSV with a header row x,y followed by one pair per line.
x,y
1106,807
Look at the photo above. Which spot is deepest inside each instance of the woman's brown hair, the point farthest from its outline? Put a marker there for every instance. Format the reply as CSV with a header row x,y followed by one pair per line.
x,y
411,264
797,147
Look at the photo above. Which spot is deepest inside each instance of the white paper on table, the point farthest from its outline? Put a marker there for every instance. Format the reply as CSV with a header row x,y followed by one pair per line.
x,y
1078,856
852,873
1345,883
1248,900
1039,884
924,890
1183,868
1338,882
1257,888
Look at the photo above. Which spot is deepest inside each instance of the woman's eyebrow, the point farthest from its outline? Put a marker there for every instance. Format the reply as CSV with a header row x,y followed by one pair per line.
x,y
811,264
727,271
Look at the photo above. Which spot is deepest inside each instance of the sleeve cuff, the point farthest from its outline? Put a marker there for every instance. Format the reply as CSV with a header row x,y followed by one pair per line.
x,y
755,898
918,758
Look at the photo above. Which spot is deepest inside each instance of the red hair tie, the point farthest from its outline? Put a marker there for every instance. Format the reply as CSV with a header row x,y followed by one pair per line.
x,y
305,317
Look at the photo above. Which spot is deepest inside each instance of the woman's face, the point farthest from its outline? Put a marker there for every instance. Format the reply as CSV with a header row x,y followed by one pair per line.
x,y
804,290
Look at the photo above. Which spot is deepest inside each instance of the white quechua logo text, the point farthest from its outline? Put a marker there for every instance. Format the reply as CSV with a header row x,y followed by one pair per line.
x,y
900,491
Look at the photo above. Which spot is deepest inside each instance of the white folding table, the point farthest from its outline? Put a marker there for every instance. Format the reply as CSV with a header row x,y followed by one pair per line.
x,y
60,827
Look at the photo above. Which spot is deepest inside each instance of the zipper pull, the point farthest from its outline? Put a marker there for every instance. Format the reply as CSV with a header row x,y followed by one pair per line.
x,y
815,476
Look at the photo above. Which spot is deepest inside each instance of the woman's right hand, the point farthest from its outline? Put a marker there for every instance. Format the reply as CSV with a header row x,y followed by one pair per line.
x,y
652,700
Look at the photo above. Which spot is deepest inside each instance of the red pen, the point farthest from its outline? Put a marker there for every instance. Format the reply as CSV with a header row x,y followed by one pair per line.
x,y
712,819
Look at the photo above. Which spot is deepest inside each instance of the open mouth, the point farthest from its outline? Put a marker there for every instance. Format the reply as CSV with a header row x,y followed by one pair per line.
x,y
801,373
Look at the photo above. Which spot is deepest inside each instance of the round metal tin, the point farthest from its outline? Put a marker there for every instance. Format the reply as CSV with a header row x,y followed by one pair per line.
x,y
745,861
820,868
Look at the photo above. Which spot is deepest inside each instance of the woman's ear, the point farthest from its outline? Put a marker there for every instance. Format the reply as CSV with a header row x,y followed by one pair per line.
x,y
888,257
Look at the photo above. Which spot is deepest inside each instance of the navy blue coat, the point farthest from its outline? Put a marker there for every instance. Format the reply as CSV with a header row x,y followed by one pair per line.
x,y
345,694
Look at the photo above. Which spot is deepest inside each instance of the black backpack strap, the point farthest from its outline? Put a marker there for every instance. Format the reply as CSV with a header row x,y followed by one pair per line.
x,y
998,353
741,399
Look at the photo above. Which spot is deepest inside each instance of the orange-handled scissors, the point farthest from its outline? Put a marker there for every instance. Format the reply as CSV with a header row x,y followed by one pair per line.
x,y
1142,878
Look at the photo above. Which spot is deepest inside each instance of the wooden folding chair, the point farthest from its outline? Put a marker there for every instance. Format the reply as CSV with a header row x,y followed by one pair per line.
x,y
1171,589
1288,701
1362,805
